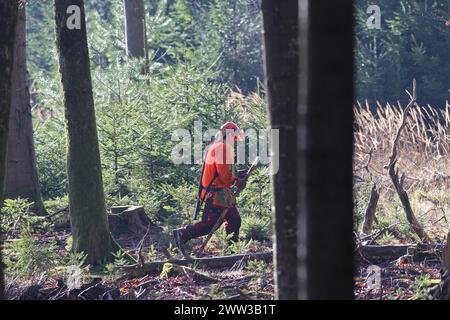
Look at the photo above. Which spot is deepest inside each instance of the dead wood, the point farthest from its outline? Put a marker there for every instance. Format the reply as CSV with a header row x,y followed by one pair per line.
x,y
95,290
125,219
193,274
418,252
371,238
393,172
57,212
122,220
140,257
210,262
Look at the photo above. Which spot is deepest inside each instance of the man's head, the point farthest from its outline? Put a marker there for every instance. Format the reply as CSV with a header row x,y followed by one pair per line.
x,y
232,130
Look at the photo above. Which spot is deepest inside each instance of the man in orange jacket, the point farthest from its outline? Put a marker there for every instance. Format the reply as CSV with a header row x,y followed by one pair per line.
x,y
219,174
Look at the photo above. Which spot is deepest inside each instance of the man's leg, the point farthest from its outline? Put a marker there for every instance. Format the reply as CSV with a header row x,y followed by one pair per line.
x,y
198,229
201,228
233,223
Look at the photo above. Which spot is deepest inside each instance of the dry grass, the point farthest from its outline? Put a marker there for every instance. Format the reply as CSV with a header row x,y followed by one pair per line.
x,y
424,159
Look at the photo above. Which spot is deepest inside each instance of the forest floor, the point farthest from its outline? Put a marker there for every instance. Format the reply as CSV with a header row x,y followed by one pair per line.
x,y
244,281
251,280
400,279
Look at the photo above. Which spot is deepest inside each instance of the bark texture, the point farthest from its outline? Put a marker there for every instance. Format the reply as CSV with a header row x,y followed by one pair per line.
x,y
280,21
446,254
90,230
135,28
21,173
369,216
8,21
325,246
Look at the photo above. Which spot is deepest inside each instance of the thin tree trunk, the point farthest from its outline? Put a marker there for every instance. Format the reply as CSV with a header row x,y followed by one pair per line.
x,y
135,28
280,21
446,254
153,4
8,21
326,263
21,173
90,230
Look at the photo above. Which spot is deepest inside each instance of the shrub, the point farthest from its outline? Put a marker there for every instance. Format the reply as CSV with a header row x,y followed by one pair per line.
x,y
255,228
30,257
12,210
16,213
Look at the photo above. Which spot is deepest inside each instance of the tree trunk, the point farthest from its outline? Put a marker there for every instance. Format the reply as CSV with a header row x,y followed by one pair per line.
x,y
369,216
280,20
446,254
135,28
326,262
8,12
21,173
88,215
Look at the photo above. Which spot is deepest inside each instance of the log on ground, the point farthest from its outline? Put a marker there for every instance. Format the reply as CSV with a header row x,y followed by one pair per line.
x,y
209,262
394,251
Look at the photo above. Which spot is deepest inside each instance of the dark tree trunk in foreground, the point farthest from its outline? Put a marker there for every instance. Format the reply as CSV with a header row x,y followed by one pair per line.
x,y
280,19
326,263
21,173
135,28
8,14
88,215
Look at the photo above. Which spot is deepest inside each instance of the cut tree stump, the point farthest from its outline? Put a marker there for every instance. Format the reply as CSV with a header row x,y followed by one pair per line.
x,y
122,220
126,219
210,262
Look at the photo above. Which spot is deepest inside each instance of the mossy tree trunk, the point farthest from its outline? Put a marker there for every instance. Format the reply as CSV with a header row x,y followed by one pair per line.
x,y
90,230
8,21
21,173
135,28
280,20
326,263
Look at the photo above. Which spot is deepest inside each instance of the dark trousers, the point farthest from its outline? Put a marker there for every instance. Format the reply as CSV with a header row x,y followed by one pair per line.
x,y
232,223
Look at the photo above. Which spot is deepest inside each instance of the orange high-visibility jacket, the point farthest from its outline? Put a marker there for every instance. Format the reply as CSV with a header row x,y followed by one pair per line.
x,y
220,159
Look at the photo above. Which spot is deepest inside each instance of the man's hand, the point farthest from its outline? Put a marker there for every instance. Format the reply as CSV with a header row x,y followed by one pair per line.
x,y
242,174
241,181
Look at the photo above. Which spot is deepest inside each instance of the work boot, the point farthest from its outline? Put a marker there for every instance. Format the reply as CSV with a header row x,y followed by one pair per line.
x,y
179,239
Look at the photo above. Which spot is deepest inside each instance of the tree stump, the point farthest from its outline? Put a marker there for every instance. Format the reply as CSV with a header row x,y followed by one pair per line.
x,y
129,219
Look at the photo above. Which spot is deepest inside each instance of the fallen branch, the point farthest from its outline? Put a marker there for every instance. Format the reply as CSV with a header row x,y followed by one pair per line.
x,y
370,239
57,212
140,257
418,252
195,275
210,262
